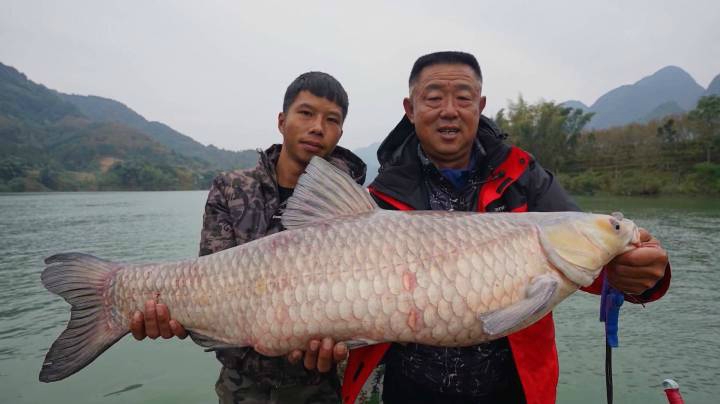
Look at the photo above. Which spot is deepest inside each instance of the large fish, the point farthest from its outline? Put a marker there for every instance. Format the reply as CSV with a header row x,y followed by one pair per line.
x,y
348,270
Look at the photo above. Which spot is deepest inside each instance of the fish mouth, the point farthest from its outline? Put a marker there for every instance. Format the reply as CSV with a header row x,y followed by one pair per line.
x,y
635,240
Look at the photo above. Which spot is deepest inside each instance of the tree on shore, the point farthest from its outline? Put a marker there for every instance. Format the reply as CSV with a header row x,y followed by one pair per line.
x,y
550,131
705,118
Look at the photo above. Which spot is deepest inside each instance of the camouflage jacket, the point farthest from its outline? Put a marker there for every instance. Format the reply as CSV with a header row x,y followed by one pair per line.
x,y
242,206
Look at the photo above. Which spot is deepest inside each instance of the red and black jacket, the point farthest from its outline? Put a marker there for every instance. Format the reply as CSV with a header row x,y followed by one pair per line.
x,y
513,182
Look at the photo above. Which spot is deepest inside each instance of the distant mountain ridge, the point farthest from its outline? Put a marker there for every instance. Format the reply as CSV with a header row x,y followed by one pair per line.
x,y
368,154
670,90
101,109
576,104
663,110
55,141
714,87
21,98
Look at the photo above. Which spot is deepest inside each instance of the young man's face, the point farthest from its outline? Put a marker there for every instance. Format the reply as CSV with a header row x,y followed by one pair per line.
x,y
311,127
445,105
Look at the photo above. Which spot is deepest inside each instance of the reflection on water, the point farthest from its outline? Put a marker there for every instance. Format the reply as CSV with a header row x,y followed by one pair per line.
x,y
676,337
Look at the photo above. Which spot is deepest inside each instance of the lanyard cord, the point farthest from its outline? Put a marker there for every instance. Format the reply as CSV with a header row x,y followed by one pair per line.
x,y
610,301
608,372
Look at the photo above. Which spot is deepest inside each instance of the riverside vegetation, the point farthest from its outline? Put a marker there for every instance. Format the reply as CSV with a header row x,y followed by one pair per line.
x,y
678,154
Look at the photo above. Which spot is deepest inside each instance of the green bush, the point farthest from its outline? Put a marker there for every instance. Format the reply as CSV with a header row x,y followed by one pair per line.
x,y
16,184
11,167
636,183
584,183
705,178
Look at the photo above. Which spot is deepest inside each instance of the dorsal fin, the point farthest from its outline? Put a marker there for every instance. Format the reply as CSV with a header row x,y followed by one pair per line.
x,y
324,192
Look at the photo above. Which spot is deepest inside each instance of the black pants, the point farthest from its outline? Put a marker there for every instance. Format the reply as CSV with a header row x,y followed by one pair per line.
x,y
398,389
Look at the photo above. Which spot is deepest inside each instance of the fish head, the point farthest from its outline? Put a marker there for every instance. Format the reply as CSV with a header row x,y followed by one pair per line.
x,y
589,241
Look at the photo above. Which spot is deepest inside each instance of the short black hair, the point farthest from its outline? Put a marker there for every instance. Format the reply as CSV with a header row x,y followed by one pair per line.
x,y
445,57
318,84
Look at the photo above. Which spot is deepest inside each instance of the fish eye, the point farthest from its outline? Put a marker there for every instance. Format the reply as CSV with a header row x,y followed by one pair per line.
x,y
614,223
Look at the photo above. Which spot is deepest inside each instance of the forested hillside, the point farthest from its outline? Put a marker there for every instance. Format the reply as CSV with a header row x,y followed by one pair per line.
x,y
49,143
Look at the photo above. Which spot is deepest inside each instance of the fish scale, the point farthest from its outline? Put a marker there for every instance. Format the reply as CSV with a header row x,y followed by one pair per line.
x,y
261,308
349,271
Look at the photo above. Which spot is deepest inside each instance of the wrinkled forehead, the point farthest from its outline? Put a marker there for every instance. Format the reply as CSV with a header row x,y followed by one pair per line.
x,y
448,77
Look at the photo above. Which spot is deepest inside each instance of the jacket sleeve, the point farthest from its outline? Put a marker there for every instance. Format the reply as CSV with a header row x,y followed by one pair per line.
x,y
650,295
217,232
547,195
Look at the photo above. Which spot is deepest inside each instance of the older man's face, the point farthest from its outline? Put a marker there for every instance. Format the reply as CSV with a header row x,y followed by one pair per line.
x,y
445,105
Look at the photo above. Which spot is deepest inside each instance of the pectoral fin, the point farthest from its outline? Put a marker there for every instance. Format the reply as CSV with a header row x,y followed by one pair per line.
x,y
538,294
209,343
359,343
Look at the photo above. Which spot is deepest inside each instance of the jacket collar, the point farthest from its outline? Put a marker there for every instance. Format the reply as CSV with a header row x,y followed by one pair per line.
x,y
489,136
402,166
341,158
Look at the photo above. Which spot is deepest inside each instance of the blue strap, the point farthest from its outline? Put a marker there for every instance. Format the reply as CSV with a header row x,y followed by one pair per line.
x,y
610,301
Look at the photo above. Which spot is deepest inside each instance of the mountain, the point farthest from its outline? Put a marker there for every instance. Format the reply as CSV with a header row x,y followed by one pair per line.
x,y
20,98
667,109
714,87
101,109
368,154
575,104
635,102
49,143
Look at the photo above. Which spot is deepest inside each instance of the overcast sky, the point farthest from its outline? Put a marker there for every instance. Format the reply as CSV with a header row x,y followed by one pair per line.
x,y
217,70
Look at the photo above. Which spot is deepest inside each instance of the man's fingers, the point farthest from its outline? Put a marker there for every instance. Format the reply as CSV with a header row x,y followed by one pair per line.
x,y
325,355
151,326
295,356
643,256
178,330
644,235
137,326
630,288
163,320
633,279
311,354
340,352
640,269
155,322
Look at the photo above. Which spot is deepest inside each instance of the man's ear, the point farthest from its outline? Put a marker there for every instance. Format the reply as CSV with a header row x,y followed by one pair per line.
x,y
483,102
281,123
409,111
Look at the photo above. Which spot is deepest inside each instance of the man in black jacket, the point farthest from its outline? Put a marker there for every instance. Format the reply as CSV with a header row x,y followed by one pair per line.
x,y
444,155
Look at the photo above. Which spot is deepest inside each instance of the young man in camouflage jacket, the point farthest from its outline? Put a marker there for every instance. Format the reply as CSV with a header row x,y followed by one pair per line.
x,y
245,205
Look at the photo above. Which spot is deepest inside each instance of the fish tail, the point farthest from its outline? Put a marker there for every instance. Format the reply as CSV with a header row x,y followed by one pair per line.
x,y
82,280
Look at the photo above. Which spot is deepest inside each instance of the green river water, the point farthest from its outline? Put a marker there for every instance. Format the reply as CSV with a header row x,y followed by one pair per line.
x,y
678,336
